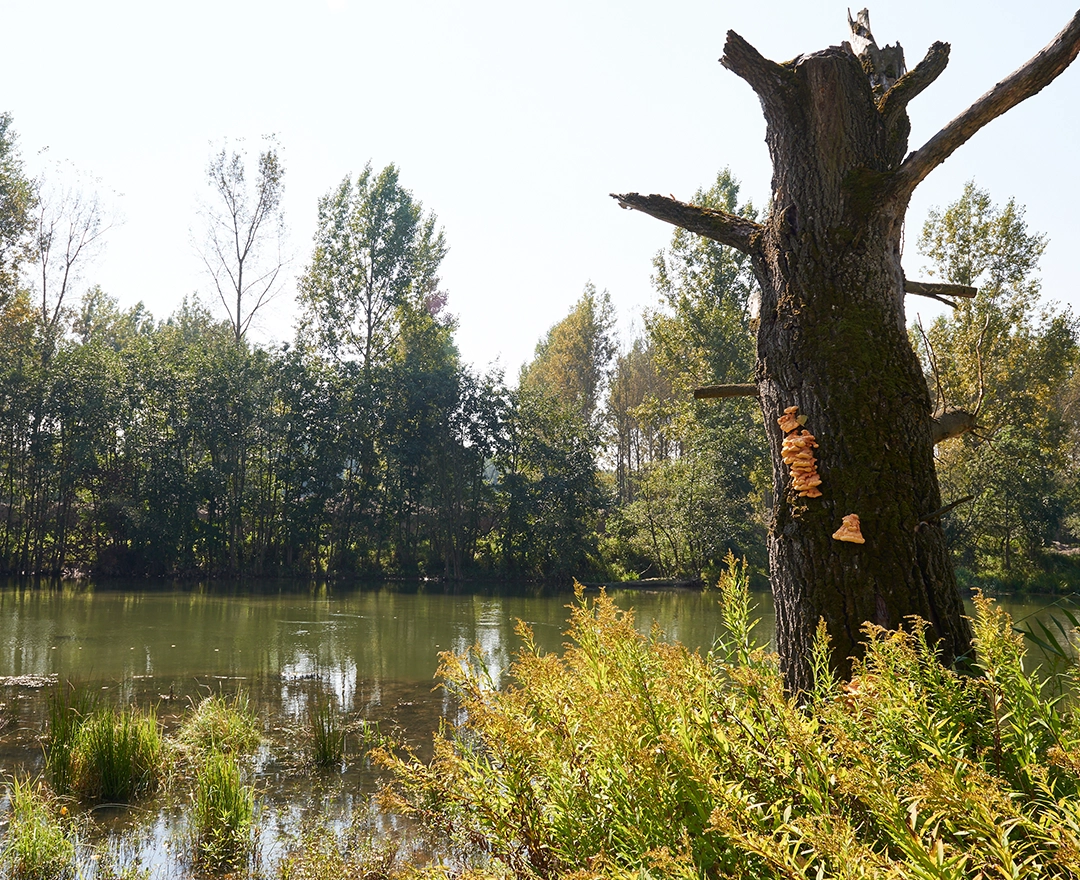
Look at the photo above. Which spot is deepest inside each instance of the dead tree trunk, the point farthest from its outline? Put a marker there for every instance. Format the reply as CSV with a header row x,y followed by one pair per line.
x,y
832,338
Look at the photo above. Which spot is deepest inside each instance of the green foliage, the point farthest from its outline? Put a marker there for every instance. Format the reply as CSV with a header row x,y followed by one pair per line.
x,y
223,724
1010,361
630,756
35,845
324,853
118,755
18,197
223,815
689,475
572,361
550,489
376,253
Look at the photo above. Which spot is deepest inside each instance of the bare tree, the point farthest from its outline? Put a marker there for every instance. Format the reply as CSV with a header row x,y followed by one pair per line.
x,y
245,232
833,355
69,229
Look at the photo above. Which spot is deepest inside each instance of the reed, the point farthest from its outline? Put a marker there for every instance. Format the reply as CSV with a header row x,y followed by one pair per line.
x,y
223,815
118,755
69,705
34,846
326,733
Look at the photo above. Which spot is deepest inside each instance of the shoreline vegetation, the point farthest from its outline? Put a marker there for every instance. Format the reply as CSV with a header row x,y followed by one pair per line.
x,y
623,755
365,447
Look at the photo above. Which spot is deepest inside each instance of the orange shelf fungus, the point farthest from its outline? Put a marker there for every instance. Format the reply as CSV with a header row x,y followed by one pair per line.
x,y
789,421
797,453
850,531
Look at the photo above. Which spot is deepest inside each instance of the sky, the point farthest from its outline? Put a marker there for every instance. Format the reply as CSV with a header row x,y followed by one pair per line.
x,y
511,122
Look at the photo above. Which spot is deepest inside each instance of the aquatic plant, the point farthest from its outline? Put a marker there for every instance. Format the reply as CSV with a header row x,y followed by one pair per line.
x,y
35,846
118,755
326,732
69,705
323,853
223,814
223,724
626,755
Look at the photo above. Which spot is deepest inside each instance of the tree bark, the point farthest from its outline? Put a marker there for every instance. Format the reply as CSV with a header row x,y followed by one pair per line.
x,y
832,340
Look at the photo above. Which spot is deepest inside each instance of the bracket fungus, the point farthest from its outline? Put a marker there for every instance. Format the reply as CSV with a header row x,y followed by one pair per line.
x,y
797,453
850,530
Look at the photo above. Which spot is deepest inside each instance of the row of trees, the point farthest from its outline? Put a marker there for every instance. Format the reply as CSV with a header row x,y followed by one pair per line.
x,y
366,446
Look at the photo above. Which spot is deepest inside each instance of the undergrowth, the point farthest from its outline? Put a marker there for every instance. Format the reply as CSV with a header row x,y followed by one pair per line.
x,y
629,756
35,845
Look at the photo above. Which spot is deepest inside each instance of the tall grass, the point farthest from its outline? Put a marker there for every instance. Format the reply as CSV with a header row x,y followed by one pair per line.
x,y
34,846
118,755
628,756
326,733
69,705
223,724
223,815
100,753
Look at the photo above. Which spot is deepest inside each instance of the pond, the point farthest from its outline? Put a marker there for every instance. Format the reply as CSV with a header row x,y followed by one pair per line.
x,y
372,651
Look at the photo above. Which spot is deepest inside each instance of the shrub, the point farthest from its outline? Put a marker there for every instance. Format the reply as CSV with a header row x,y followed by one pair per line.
x,y
222,724
35,846
321,853
223,814
628,755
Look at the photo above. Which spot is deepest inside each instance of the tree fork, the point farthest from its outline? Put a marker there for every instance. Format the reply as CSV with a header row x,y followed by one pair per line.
x,y
832,338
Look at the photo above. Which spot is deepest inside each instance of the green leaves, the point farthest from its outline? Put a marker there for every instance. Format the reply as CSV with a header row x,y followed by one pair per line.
x,y
1006,359
376,253
627,755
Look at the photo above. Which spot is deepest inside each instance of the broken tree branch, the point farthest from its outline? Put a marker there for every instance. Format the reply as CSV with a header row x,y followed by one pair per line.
x,y
772,82
1023,83
730,229
948,423
936,291
711,391
940,512
914,82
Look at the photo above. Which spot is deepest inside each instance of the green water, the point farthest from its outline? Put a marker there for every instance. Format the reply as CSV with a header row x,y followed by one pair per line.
x,y
375,651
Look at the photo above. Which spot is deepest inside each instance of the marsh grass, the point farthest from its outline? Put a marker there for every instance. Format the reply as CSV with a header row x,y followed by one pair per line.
x,y
69,705
118,755
222,815
222,724
626,755
35,845
98,752
326,733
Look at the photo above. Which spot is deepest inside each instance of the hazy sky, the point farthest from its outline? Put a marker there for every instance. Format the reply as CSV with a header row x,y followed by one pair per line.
x,y
511,122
